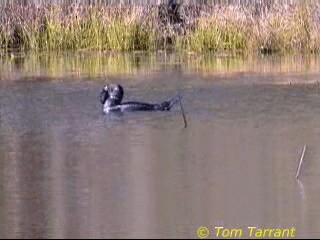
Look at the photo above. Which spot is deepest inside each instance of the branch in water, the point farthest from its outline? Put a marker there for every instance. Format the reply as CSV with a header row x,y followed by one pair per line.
x,y
300,162
183,114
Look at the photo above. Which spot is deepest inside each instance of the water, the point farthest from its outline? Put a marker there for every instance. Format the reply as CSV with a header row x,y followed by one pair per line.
x,y
67,171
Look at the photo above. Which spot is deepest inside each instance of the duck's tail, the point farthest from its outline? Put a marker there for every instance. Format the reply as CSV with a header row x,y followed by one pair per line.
x,y
174,101
167,105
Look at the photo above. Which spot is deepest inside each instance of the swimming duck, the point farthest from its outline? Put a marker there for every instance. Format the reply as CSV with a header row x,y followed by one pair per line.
x,y
111,97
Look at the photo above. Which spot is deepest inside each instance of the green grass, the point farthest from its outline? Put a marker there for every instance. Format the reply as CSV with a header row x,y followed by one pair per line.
x,y
210,35
77,29
285,29
230,29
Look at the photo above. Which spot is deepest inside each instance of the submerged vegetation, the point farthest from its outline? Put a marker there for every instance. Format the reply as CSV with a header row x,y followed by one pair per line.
x,y
192,28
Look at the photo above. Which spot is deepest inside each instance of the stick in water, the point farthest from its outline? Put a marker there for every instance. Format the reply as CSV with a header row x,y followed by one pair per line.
x,y
301,160
183,115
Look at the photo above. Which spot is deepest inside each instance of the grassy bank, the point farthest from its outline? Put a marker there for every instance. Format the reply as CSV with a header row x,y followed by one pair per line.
x,y
236,29
194,28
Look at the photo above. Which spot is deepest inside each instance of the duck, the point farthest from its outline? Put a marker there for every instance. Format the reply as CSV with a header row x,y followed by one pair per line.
x,y
111,97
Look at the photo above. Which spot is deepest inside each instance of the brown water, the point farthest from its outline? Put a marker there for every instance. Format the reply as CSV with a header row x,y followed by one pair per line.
x,y
67,171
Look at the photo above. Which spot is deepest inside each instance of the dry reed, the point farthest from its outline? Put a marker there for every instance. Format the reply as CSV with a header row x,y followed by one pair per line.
x,y
197,28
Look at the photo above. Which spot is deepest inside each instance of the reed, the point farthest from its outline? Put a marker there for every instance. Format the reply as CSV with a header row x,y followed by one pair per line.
x,y
224,29
196,28
55,27
300,162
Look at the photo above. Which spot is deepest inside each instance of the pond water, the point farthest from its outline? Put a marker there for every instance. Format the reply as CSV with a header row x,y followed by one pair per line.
x,y
68,171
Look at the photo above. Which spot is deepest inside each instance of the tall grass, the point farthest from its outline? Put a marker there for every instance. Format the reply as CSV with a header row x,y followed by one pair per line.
x,y
202,28
222,30
76,27
282,28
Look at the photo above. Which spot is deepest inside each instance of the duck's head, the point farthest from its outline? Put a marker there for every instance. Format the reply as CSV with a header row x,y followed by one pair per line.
x,y
113,93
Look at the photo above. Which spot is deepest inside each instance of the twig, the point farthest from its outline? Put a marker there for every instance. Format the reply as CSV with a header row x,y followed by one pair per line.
x,y
301,160
183,115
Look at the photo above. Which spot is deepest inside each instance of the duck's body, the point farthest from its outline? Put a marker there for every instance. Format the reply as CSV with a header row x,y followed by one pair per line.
x,y
111,97
136,106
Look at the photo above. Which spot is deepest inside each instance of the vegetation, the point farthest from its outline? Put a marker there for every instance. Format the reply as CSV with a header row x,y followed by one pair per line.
x,y
192,28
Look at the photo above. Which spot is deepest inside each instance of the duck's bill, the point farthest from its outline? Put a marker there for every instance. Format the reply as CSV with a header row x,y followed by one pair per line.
x,y
104,95
107,87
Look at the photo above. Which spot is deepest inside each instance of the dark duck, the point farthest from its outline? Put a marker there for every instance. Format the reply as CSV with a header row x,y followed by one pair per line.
x,y
112,94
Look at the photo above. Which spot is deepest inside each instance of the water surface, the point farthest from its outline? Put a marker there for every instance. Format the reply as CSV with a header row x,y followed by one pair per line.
x,y
67,171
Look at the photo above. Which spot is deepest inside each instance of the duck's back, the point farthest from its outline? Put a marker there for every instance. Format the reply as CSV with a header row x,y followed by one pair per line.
x,y
137,106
